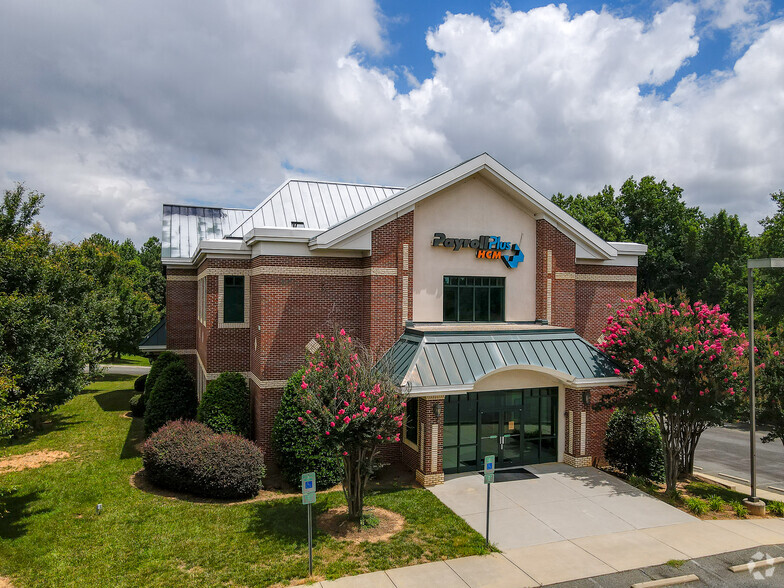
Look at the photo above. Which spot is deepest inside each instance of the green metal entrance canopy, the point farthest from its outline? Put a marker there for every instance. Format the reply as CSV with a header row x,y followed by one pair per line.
x,y
425,358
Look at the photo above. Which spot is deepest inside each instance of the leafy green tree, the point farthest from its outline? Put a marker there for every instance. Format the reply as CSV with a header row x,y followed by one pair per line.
x,y
298,450
633,444
769,285
46,334
17,211
16,407
719,265
657,216
601,213
150,257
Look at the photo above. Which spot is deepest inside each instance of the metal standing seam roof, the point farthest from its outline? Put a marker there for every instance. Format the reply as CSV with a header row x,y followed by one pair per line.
x,y
185,226
156,337
455,359
318,205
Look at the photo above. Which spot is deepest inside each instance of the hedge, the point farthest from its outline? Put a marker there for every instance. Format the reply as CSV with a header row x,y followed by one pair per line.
x,y
225,406
137,405
163,361
633,444
298,450
138,383
173,397
187,456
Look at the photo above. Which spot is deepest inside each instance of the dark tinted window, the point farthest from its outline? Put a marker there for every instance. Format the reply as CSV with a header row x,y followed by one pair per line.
x,y
233,299
473,299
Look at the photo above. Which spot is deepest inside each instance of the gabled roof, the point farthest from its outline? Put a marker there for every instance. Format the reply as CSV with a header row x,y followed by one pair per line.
x,y
489,168
317,205
155,340
185,226
455,360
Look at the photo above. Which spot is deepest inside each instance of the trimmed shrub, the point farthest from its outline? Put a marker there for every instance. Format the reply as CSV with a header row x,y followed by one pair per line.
x,y
137,405
633,445
173,397
163,361
138,383
697,506
298,450
225,406
187,456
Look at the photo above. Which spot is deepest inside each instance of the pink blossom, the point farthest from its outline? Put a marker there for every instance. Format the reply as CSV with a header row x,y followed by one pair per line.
x,y
327,433
347,420
332,424
341,411
617,372
674,397
776,353
379,437
299,419
342,332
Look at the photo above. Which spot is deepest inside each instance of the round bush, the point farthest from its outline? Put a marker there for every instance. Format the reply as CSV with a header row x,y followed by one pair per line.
x,y
225,406
173,397
189,457
138,383
634,445
137,405
298,450
163,361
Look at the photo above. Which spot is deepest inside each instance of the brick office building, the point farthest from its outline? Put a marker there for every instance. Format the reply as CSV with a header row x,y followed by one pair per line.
x,y
483,294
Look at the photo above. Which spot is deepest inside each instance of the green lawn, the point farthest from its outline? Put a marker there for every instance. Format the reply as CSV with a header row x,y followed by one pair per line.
x,y
52,535
131,360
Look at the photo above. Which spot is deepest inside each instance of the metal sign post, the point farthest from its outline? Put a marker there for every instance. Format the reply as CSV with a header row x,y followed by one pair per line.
x,y
489,472
309,497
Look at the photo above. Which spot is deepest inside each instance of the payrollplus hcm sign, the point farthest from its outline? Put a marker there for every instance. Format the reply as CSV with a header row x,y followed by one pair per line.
x,y
487,247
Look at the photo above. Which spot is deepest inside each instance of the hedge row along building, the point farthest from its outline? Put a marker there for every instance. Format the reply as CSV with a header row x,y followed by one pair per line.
x,y
483,295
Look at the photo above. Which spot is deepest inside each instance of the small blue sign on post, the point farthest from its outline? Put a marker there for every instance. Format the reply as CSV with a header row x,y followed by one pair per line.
x,y
309,488
309,497
489,469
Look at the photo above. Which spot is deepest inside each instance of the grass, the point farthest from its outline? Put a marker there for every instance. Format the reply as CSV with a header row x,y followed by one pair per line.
x,y
676,563
52,535
131,360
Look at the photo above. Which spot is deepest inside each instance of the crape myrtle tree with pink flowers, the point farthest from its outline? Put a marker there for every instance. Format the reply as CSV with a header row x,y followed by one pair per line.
x,y
354,406
685,366
769,371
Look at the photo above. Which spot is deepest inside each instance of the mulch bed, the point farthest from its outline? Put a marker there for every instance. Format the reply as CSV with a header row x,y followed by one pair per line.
x,y
335,522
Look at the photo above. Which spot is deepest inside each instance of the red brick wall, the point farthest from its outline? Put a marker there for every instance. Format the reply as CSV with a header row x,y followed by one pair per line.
x,y
222,349
593,298
595,421
384,305
548,238
180,310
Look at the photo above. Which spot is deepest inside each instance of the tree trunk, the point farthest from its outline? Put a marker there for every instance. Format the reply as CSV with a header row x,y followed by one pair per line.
x,y
357,467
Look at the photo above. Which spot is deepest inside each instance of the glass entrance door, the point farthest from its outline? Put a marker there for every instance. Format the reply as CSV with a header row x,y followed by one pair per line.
x,y
499,435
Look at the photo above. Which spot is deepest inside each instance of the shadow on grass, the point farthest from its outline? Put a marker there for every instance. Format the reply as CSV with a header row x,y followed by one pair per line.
x,y
285,521
13,523
133,439
113,378
115,400
52,424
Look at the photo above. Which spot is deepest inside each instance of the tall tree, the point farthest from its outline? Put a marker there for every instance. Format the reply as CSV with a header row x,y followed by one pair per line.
x,y
657,216
770,283
601,213
17,211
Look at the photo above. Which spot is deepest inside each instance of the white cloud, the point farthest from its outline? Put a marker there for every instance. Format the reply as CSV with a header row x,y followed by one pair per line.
x,y
118,107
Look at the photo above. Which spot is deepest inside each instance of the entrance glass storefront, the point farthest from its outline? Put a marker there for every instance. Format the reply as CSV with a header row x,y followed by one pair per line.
x,y
519,427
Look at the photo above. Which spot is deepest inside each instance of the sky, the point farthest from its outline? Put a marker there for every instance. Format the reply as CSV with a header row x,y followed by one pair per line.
x,y
112,108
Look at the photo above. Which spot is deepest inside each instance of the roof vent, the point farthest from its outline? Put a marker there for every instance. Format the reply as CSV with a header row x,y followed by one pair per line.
x,y
297,224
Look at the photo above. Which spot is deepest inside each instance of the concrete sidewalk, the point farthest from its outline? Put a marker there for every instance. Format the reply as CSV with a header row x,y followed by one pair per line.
x,y
584,557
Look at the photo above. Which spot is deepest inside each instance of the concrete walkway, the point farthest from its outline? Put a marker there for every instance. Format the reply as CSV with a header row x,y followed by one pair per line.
x,y
126,370
560,502
585,557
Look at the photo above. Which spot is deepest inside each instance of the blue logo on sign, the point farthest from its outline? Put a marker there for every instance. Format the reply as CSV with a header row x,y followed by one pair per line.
x,y
308,485
489,466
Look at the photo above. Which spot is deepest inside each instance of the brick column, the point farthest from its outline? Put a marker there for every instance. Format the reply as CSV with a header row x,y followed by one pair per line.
x,y
430,469
555,275
576,429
